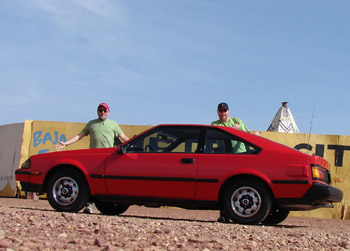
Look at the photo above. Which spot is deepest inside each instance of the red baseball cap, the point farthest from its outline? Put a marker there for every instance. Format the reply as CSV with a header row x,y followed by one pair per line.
x,y
104,105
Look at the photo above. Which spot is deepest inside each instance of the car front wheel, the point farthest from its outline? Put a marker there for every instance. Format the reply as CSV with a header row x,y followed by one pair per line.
x,y
247,202
67,191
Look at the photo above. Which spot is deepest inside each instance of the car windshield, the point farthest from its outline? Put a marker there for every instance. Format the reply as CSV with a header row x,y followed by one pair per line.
x,y
168,139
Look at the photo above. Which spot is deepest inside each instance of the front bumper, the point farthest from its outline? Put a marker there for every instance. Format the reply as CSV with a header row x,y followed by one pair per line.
x,y
30,187
23,176
318,196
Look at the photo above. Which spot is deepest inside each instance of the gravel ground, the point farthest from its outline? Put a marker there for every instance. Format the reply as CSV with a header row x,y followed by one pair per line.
x,y
34,225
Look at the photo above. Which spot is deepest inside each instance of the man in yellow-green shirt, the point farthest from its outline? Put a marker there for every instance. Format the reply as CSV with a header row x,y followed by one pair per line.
x,y
102,131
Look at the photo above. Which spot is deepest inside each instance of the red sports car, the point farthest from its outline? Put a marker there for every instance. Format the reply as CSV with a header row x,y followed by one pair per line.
x,y
252,179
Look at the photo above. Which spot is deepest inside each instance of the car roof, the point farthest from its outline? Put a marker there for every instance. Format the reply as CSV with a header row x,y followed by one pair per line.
x,y
256,140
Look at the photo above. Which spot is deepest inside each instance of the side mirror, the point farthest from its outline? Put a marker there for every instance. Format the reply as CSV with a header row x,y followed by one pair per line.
x,y
122,149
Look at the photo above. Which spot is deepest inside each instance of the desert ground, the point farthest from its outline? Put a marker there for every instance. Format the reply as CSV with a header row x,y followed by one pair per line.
x,y
34,225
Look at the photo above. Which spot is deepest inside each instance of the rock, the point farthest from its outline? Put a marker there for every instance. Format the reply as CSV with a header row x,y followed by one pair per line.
x,y
5,243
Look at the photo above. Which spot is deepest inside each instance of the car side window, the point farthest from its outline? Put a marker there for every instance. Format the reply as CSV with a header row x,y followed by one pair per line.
x,y
218,141
168,140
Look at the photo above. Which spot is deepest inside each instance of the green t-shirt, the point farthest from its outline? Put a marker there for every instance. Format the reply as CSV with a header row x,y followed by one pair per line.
x,y
102,133
238,147
230,123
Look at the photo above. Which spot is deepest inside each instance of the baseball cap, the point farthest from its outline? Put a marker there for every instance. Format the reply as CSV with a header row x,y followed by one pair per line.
x,y
104,105
223,105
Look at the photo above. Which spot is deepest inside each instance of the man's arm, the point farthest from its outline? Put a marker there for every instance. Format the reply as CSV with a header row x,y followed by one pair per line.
x,y
123,137
61,144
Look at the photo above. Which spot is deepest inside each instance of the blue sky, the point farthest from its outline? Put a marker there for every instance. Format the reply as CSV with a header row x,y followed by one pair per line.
x,y
164,61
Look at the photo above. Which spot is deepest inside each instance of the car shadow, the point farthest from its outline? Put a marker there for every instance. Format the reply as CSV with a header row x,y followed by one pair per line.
x,y
165,218
35,209
204,221
156,217
285,226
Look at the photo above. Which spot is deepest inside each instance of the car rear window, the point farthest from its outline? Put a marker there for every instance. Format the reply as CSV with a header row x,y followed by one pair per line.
x,y
218,141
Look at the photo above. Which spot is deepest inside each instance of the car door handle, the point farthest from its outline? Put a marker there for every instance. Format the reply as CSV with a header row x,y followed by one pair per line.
x,y
187,161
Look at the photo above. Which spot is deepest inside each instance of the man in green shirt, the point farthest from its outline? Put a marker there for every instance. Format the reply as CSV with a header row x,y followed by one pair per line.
x,y
227,121
103,133
238,147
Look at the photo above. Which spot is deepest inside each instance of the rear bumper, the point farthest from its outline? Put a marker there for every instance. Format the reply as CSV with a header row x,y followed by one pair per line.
x,y
319,195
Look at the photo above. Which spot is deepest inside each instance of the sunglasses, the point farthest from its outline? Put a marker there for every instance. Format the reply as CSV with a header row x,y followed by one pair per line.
x,y
222,110
102,110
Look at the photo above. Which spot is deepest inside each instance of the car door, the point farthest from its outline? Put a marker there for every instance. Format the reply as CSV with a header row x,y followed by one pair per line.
x,y
160,164
223,153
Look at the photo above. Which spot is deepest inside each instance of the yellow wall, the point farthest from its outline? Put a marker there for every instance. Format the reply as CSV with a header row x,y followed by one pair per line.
x,y
44,135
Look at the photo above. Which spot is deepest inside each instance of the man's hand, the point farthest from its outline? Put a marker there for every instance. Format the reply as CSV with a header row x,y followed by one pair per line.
x,y
236,126
60,146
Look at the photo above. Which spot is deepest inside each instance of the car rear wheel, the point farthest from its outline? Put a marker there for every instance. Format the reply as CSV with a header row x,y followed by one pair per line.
x,y
247,202
67,191
276,216
111,208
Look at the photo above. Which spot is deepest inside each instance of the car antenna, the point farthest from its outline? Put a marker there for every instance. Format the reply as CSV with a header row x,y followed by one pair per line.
x,y
312,119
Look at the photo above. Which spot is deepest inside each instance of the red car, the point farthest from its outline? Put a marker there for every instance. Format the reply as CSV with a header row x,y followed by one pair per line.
x,y
252,179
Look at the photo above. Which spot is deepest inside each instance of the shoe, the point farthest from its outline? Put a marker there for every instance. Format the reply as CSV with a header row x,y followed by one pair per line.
x,y
88,209
222,219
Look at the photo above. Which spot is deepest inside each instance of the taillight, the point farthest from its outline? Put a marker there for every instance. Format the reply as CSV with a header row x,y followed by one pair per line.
x,y
320,173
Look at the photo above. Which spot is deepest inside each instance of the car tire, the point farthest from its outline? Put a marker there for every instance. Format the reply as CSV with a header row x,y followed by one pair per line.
x,y
111,208
247,202
276,216
67,191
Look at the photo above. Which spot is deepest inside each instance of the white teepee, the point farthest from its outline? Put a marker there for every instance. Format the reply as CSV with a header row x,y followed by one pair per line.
x,y
283,121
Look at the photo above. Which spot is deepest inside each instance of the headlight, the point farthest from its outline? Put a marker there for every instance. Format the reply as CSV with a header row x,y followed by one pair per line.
x,y
26,164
